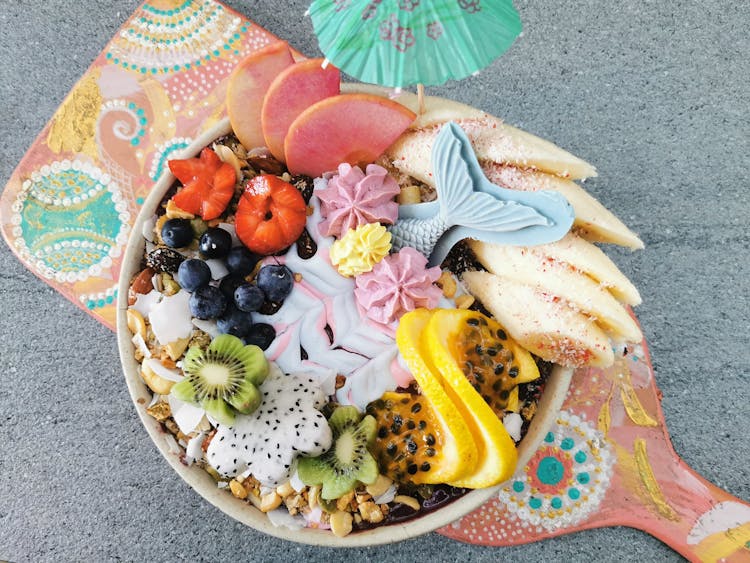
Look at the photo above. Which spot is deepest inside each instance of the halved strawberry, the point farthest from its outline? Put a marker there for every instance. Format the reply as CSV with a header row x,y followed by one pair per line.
x,y
208,184
271,214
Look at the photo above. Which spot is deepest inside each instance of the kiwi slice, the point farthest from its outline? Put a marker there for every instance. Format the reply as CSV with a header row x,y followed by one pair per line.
x,y
224,378
348,462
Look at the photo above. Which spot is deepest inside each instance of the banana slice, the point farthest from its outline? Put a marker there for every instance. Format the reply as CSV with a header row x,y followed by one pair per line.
x,y
594,221
590,259
548,328
493,141
561,280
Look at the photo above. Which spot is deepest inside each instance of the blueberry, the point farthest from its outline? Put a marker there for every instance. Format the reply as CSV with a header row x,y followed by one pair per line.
x,y
235,322
177,233
207,302
215,243
192,274
228,284
248,297
262,335
276,281
241,261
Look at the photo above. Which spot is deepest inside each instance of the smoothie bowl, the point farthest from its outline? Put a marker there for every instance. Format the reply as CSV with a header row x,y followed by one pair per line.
x,y
353,329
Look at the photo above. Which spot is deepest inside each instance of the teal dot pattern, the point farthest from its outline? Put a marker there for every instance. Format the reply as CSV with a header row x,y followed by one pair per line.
x,y
550,471
133,128
99,300
70,220
184,37
165,152
566,480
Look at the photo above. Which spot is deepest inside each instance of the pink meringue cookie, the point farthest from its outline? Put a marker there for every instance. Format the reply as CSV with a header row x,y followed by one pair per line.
x,y
353,198
397,284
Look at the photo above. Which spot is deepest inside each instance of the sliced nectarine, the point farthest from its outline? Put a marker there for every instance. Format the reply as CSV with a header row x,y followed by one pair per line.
x,y
294,90
353,128
247,86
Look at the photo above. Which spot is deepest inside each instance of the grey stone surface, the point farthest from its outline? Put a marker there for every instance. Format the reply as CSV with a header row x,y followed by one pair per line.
x,y
655,94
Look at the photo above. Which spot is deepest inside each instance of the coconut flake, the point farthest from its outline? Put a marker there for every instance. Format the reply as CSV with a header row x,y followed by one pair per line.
x,y
170,319
145,302
218,268
186,416
162,371
156,282
513,423
296,482
194,451
154,399
140,344
209,327
281,517
172,444
148,229
387,496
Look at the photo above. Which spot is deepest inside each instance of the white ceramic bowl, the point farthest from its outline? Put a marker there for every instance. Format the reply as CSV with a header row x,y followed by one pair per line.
x,y
204,484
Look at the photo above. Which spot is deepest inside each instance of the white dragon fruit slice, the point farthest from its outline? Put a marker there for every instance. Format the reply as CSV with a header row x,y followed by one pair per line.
x,y
285,425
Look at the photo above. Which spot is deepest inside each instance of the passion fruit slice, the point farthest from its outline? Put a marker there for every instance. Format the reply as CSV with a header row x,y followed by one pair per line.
x,y
490,359
410,443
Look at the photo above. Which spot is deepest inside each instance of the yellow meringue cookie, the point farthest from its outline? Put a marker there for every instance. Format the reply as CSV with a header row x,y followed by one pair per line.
x,y
360,249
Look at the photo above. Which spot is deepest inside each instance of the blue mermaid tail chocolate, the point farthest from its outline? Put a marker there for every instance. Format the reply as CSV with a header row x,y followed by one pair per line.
x,y
470,206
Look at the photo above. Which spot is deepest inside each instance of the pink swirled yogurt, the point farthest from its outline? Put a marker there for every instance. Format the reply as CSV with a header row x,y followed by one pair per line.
x,y
399,283
353,198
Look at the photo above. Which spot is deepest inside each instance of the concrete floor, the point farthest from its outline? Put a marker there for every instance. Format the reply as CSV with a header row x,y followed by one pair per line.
x,y
655,95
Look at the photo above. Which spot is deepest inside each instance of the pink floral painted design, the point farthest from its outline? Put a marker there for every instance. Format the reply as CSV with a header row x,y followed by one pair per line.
x,y
408,5
400,37
369,12
353,198
471,6
388,27
435,30
404,39
341,5
396,285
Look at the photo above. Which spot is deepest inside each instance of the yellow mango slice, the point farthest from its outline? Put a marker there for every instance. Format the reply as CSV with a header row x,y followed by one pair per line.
x,y
496,449
459,447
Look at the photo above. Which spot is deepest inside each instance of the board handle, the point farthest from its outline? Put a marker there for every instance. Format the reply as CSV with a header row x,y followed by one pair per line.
x,y
697,519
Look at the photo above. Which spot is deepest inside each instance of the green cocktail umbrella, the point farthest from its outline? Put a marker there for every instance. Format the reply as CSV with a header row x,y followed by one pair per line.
x,y
399,43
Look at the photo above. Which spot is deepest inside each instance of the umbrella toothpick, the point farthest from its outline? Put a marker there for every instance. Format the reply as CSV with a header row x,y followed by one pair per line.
x,y
420,99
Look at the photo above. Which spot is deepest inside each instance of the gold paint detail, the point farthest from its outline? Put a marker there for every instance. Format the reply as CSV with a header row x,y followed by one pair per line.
x,y
653,489
163,127
73,127
604,420
724,544
630,400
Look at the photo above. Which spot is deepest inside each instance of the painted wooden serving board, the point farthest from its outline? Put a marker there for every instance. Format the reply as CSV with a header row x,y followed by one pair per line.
x,y
68,208
609,462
